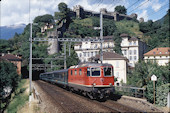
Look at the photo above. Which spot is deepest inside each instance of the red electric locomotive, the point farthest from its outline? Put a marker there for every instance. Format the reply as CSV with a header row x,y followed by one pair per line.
x,y
91,79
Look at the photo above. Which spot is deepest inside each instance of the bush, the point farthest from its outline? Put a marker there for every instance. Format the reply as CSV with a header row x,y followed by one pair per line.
x,y
161,94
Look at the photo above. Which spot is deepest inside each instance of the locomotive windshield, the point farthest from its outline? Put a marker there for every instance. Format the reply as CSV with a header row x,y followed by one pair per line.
x,y
107,71
95,71
88,71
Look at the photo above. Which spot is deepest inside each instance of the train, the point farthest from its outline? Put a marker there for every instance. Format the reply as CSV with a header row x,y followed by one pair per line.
x,y
90,79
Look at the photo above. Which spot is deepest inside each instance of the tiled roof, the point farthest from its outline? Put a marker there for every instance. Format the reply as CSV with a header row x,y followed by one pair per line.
x,y
111,55
124,35
133,39
162,51
10,57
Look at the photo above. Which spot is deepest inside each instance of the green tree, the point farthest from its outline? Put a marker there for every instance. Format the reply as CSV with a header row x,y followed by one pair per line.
x,y
9,79
4,46
140,77
47,18
63,8
121,9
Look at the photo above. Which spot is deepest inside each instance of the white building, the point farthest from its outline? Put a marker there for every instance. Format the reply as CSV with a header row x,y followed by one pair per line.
x,y
119,64
160,55
132,48
86,50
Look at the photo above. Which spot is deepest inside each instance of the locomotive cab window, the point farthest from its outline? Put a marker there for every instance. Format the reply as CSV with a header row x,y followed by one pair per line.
x,y
88,71
71,72
107,71
80,72
75,72
95,71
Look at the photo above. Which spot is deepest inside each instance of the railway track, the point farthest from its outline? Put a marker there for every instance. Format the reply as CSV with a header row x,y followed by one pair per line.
x,y
72,102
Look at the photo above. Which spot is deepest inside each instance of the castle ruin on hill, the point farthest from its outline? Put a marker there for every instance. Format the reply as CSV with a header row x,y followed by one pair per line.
x,y
80,12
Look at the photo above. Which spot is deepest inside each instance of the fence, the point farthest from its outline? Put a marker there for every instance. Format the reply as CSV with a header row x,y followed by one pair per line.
x,y
131,91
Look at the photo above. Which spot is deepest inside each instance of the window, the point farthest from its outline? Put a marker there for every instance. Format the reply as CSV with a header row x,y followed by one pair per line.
x,y
91,53
95,71
95,46
88,71
75,72
88,54
130,57
130,52
125,52
107,71
134,52
80,72
135,43
71,72
134,57
130,43
80,54
84,54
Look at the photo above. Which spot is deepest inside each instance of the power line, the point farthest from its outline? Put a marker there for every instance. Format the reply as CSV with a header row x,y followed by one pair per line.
x,y
153,12
100,2
139,6
133,4
113,3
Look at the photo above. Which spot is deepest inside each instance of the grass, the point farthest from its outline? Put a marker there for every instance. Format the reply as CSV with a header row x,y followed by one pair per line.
x,y
84,22
129,26
19,98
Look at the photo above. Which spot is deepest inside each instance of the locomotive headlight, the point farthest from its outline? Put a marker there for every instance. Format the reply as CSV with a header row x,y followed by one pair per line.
x,y
110,84
94,84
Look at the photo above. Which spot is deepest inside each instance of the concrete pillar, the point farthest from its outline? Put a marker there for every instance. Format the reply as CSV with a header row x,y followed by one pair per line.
x,y
168,100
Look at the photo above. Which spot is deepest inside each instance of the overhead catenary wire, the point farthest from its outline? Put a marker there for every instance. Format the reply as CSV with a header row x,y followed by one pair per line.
x,y
139,6
133,4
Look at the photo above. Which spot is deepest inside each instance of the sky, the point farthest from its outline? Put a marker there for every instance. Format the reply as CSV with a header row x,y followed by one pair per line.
x,y
14,12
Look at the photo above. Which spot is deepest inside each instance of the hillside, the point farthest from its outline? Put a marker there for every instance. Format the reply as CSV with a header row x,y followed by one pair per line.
x,y
129,26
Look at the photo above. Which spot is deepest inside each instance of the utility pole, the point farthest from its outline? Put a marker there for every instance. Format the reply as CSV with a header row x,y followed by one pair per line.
x,y
30,64
65,65
51,65
101,36
69,48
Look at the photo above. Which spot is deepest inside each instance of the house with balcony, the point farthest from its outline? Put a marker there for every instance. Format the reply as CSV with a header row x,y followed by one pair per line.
x,y
159,55
133,49
86,50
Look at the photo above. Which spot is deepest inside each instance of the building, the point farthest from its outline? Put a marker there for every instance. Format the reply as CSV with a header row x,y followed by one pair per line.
x,y
119,63
15,59
80,12
86,50
46,27
133,49
159,55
